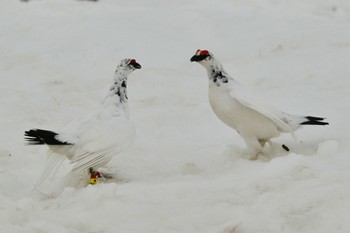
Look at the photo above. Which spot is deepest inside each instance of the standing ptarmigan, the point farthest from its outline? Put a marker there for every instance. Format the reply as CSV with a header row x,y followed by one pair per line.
x,y
255,120
90,142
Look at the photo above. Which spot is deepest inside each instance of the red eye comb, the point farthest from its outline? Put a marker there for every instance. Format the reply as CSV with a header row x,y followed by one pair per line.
x,y
132,61
204,52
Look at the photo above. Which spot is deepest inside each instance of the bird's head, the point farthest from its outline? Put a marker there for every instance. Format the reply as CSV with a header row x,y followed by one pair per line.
x,y
203,57
128,65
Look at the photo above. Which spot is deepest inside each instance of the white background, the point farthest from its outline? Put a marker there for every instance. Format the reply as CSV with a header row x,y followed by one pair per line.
x,y
186,171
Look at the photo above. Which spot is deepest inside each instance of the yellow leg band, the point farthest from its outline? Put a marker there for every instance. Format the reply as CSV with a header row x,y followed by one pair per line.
x,y
93,181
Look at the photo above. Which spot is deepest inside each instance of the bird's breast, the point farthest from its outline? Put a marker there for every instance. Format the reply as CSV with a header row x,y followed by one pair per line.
x,y
224,106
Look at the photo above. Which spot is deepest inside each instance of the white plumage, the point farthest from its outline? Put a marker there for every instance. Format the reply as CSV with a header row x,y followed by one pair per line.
x,y
254,119
91,141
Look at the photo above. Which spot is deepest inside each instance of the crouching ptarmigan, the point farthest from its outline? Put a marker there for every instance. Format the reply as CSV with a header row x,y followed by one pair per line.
x,y
255,120
90,142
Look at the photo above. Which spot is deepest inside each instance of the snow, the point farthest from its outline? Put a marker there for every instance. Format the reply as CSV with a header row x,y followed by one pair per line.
x,y
186,171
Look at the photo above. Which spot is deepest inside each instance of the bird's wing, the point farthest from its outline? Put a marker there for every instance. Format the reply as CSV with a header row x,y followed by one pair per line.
x,y
101,140
53,164
251,101
87,160
74,129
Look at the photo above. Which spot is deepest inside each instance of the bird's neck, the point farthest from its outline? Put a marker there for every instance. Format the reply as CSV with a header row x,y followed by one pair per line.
x,y
117,96
217,74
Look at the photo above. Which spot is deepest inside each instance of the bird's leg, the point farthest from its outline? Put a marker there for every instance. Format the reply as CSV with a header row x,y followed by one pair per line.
x,y
254,146
262,142
94,176
107,173
106,176
255,155
269,142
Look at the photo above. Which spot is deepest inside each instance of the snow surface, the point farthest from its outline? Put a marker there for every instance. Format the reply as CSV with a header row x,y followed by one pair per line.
x,y
186,171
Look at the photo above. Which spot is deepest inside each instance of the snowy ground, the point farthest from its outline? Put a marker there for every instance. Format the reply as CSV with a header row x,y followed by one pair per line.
x,y
186,172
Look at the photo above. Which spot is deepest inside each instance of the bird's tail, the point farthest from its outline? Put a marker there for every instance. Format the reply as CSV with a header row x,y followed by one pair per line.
x,y
310,120
53,164
40,136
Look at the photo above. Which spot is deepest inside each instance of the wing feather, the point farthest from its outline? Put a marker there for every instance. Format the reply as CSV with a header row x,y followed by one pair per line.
x,y
260,106
91,160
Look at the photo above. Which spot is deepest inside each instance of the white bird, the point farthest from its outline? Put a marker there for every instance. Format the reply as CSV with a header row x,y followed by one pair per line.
x,y
254,119
90,142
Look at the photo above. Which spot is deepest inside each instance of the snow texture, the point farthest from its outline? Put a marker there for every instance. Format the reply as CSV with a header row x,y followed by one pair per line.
x,y
186,171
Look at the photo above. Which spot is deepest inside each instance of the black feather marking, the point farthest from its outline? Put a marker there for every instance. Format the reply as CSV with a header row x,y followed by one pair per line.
x,y
117,92
314,121
315,118
218,75
40,136
285,147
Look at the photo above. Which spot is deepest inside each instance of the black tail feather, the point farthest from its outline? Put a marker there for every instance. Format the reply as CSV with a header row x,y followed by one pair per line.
x,y
310,120
40,136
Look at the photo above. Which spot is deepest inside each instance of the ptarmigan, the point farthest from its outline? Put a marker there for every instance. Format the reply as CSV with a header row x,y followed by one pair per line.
x,y
255,120
90,142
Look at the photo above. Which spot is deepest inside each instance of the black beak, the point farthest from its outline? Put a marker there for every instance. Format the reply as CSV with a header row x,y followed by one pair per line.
x,y
198,58
136,65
